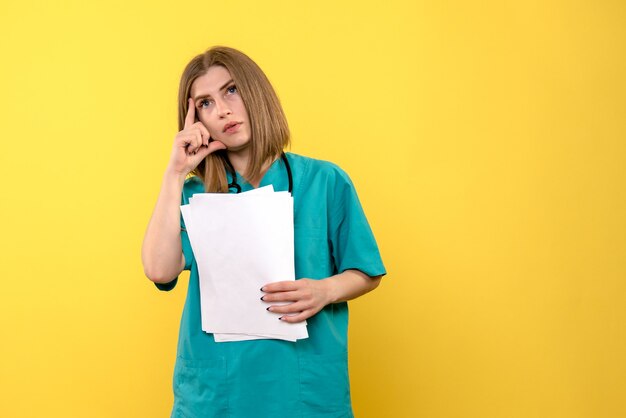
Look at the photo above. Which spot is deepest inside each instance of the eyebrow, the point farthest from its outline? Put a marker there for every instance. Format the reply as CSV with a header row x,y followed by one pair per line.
x,y
220,89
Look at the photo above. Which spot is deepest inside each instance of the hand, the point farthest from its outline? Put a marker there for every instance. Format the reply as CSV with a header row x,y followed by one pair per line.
x,y
307,298
192,144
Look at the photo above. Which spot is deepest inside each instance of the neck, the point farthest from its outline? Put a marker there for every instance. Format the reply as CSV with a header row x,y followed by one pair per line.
x,y
239,160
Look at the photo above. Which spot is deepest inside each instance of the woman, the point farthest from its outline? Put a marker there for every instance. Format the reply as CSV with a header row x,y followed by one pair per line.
x,y
232,134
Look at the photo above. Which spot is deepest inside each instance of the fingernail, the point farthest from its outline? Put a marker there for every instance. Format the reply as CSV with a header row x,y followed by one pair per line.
x,y
268,308
262,298
262,289
280,319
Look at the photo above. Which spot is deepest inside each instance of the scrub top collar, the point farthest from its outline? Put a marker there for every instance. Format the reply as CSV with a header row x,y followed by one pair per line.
x,y
276,175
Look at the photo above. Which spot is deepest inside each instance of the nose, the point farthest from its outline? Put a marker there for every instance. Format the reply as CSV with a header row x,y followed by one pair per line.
x,y
222,108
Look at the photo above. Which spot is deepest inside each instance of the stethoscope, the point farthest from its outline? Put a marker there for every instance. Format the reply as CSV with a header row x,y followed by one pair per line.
x,y
237,187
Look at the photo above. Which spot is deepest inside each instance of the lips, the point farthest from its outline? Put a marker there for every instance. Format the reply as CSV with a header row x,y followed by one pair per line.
x,y
230,125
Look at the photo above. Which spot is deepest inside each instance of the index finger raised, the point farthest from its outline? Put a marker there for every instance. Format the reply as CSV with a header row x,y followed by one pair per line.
x,y
191,113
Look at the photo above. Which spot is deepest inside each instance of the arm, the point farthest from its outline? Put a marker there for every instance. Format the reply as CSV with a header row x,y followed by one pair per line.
x,y
161,252
309,296
351,245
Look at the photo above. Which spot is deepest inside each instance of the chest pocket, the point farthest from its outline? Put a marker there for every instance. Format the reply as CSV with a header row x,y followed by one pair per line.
x,y
312,252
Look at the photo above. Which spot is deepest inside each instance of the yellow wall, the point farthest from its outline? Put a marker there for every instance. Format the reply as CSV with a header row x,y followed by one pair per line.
x,y
487,143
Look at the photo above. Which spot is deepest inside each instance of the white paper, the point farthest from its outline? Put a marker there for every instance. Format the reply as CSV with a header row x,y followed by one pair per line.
x,y
242,242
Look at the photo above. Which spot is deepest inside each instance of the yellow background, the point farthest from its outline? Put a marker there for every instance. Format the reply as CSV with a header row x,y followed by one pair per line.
x,y
487,143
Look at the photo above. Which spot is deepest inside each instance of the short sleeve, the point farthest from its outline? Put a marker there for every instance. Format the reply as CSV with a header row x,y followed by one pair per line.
x,y
353,244
184,237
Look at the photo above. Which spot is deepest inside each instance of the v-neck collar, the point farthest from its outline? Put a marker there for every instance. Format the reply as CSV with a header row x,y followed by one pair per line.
x,y
268,178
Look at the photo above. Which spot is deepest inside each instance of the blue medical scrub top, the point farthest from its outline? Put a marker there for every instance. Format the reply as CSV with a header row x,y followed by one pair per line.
x,y
275,378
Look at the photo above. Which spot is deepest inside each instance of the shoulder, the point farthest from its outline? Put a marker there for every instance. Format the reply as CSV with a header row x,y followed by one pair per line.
x,y
192,186
312,168
317,181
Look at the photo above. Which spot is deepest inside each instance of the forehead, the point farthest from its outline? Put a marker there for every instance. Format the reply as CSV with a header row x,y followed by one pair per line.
x,y
210,82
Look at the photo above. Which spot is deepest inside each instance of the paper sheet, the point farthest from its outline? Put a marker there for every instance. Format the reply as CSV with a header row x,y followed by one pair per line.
x,y
241,242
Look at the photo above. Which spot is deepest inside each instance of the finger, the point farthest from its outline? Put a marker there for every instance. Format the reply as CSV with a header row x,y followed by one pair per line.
x,y
280,286
186,142
202,151
215,146
199,141
190,118
282,297
292,319
189,144
196,141
199,155
290,308
206,136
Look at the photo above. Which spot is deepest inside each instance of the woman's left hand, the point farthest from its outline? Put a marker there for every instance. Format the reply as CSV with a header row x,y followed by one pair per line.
x,y
307,297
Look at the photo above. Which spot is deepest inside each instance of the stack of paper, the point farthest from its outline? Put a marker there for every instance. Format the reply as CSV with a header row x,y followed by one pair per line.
x,y
242,242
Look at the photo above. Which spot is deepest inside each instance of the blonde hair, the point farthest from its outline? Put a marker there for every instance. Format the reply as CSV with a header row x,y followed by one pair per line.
x,y
268,125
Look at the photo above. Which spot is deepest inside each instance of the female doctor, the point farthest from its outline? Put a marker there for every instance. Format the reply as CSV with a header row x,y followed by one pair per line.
x,y
232,135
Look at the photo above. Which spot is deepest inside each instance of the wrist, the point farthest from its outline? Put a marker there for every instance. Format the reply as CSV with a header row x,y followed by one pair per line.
x,y
331,290
172,175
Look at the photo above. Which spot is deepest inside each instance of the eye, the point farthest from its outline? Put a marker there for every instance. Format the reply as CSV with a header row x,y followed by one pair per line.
x,y
232,89
204,103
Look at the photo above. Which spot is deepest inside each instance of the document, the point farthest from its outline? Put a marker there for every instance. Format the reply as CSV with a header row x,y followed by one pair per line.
x,y
240,243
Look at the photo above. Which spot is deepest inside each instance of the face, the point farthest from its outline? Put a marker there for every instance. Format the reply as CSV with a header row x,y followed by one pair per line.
x,y
220,108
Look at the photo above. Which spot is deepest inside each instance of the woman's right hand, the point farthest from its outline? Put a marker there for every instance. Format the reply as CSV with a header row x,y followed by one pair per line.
x,y
192,144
